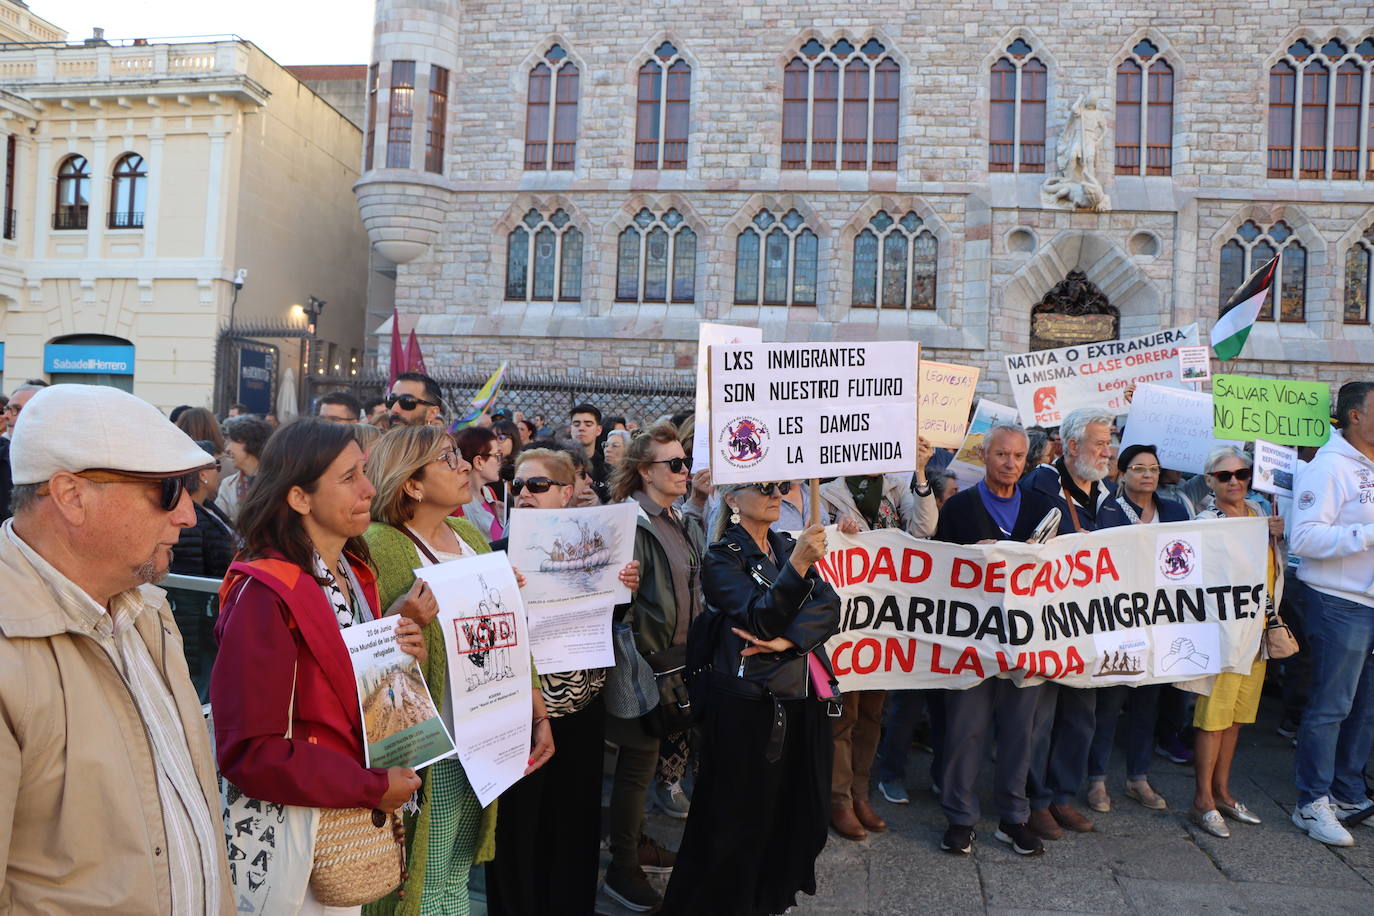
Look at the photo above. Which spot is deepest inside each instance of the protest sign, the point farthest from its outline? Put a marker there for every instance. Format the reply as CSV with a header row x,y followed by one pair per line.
x,y
1141,604
401,727
1275,468
489,678
789,411
1049,384
967,463
708,335
1278,410
1177,423
1195,364
571,559
946,395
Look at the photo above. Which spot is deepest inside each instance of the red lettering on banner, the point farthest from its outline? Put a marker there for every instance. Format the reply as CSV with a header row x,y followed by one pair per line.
x,y
894,654
840,667
1080,564
1105,567
935,660
867,643
912,554
1017,586
1075,662
882,565
994,583
960,567
968,661
855,553
1043,580
1047,656
1020,661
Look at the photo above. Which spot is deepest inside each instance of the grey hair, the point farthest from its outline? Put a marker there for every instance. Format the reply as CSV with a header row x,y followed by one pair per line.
x,y
23,497
1221,453
1075,425
27,386
1008,425
621,433
723,516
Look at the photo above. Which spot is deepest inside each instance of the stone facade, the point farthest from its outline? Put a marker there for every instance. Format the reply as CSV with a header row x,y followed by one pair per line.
x,y
1154,253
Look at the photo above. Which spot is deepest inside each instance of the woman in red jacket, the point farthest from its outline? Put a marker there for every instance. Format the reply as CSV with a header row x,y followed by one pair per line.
x,y
282,664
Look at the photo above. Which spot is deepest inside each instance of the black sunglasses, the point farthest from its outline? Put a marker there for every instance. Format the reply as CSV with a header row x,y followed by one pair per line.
x,y
767,489
1225,476
675,464
407,401
169,488
536,484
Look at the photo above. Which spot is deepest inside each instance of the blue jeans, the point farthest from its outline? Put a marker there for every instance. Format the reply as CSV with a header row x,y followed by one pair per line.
x,y
900,717
1338,725
1065,718
1141,704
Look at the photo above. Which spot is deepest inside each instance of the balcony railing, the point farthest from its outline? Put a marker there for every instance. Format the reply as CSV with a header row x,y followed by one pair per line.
x,y
71,217
130,219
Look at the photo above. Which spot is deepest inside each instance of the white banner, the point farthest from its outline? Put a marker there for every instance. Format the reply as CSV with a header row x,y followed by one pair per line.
x,y
1142,604
489,678
1177,423
793,411
1049,384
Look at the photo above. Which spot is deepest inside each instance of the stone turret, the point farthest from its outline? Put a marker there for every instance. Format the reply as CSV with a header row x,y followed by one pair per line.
x,y
403,194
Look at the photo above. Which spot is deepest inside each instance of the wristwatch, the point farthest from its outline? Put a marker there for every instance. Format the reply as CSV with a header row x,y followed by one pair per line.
x,y
921,490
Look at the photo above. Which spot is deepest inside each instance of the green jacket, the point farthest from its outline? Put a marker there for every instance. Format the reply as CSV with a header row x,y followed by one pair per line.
x,y
396,559
654,608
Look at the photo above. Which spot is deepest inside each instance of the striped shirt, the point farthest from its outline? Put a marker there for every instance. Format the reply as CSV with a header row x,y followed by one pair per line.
x,y
195,837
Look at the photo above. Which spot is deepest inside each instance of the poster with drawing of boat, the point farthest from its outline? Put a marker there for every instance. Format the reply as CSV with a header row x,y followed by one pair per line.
x,y
573,556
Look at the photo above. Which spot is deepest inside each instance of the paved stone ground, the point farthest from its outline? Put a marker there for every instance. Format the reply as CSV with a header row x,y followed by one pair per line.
x,y
1136,862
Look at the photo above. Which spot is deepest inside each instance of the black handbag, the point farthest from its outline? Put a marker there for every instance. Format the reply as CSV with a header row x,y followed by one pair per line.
x,y
674,712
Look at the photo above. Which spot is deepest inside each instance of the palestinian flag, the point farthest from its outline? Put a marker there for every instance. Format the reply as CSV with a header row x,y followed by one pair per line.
x,y
1233,327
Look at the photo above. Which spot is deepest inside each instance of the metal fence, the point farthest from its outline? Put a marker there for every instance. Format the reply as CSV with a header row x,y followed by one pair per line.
x,y
643,397
195,605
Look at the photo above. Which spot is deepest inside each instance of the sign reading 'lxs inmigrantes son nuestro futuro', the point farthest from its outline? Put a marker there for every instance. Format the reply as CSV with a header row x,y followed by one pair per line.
x,y
1051,384
793,411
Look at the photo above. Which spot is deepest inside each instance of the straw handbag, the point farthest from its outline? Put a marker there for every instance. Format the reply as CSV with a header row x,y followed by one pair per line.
x,y
359,856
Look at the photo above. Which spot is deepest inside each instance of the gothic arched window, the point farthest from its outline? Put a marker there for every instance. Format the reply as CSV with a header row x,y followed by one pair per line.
x,y
1315,109
1144,112
1016,128
840,107
776,261
551,112
1359,279
544,259
1249,250
656,259
895,263
661,113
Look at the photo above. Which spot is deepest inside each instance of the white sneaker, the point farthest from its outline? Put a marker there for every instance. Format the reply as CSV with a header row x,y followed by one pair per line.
x,y
1319,821
1345,809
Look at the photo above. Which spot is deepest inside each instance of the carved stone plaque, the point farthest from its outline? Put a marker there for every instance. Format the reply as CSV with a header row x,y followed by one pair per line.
x,y
1073,312
1067,330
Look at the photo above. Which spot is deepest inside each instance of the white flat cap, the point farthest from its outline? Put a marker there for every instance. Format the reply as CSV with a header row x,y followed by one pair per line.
x,y
79,427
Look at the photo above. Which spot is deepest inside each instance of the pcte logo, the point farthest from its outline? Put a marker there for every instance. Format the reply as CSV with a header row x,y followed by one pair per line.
x,y
743,442
1044,399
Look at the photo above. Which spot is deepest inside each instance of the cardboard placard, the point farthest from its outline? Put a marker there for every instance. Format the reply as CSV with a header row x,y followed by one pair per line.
x,y
1278,410
946,395
1177,423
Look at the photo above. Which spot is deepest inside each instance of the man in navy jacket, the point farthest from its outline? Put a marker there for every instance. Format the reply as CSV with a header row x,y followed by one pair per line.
x,y
1077,485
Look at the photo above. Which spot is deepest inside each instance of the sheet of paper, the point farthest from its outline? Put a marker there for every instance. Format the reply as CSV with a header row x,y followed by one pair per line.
x,y
1176,422
571,639
401,726
489,677
1195,363
573,557
1275,467
708,334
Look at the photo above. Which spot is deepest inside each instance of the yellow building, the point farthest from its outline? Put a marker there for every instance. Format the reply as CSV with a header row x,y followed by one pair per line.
x,y
174,215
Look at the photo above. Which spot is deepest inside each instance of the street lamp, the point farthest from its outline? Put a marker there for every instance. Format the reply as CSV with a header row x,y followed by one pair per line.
x,y
313,308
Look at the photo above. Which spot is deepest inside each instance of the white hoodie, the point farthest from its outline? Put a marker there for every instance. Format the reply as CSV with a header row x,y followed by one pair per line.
x,y
1333,522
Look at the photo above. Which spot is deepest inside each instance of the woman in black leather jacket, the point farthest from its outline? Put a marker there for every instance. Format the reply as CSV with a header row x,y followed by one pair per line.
x,y
761,808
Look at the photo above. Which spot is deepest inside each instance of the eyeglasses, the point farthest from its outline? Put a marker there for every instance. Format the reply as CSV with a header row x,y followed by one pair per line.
x,y
170,492
407,401
1149,469
768,489
676,465
497,455
535,484
13,409
449,457
502,437
1225,476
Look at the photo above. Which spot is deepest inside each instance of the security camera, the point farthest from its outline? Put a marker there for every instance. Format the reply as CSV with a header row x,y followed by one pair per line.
x,y
240,277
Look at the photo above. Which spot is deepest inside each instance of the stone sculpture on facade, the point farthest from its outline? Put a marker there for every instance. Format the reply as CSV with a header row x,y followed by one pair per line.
x,y
1077,186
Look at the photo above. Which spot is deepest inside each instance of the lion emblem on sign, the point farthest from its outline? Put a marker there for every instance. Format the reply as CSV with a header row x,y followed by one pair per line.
x,y
745,440
1177,560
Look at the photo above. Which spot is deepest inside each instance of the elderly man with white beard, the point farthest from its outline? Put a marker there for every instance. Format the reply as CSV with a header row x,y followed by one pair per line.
x,y
1065,717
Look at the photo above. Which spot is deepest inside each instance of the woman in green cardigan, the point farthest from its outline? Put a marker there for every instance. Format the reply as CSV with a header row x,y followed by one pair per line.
x,y
420,479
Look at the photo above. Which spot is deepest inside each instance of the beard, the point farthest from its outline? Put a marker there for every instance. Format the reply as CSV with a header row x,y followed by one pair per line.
x,y
1085,470
151,570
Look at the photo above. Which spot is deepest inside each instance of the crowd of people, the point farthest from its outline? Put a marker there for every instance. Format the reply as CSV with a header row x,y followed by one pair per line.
x,y
318,524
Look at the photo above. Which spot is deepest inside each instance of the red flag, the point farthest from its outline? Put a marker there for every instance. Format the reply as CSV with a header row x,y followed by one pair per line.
x,y
415,360
398,355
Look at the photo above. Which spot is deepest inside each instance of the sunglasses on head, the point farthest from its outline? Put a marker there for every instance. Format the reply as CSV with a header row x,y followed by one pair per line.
x,y
535,484
675,465
170,488
768,489
1225,476
407,401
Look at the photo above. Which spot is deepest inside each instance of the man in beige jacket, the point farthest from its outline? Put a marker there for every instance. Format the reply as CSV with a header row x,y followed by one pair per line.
x,y
107,785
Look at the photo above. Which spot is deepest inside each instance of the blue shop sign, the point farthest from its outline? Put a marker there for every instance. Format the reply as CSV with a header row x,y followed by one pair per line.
x,y
88,359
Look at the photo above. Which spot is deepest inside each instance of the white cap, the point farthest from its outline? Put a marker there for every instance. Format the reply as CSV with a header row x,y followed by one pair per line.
x,y
79,427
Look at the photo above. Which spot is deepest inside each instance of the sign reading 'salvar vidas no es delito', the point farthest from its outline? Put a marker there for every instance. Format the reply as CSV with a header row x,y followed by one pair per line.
x,y
1141,604
792,411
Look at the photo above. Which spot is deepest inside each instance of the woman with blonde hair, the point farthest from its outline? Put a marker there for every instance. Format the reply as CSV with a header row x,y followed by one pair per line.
x,y
1233,699
421,479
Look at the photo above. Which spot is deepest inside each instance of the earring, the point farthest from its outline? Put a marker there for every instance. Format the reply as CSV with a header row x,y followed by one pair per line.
x,y
734,515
